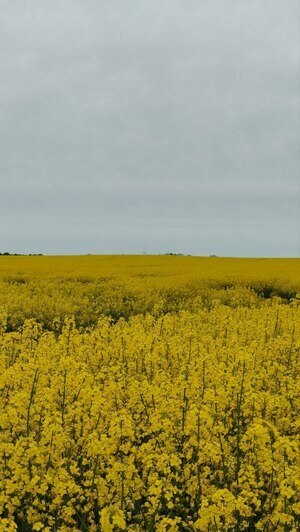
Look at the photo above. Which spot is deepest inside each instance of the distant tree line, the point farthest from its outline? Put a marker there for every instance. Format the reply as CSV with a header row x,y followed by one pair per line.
x,y
6,253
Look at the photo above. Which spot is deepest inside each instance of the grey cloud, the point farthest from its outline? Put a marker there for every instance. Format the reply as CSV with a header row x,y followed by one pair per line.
x,y
147,121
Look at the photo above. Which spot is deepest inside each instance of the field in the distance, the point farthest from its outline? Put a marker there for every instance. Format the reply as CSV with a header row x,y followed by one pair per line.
x,y
149,393
87,287
188,266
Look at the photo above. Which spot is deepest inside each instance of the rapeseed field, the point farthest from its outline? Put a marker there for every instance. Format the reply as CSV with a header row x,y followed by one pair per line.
x,y
149,393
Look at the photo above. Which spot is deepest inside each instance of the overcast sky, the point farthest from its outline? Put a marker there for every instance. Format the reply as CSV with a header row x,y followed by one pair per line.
x,y
150,125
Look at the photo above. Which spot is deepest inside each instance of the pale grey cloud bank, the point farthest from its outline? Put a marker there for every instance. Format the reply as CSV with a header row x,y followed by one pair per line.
x,y
165,125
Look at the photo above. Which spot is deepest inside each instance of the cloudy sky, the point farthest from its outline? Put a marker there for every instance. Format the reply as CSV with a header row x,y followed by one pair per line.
x,y
150,125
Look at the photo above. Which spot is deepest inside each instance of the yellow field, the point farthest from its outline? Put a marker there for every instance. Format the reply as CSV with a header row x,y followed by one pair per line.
x,y
46,288
149,393
132,265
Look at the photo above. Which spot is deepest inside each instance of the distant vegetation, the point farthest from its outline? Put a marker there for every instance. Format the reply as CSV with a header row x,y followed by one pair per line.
x,y
6,253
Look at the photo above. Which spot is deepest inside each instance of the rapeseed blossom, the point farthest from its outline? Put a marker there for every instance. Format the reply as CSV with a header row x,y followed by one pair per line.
x,y
184,416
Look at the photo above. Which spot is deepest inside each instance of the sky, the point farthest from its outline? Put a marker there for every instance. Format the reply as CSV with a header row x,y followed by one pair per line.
x,y
150,126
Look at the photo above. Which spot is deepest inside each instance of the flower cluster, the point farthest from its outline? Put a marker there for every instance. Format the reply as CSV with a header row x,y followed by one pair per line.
x,y
168,421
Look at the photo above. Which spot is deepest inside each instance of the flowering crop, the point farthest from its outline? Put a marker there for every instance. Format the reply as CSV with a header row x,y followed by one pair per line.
x,y
184,416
